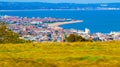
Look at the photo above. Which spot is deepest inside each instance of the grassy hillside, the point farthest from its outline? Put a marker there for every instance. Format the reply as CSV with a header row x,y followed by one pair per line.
x,y
80,54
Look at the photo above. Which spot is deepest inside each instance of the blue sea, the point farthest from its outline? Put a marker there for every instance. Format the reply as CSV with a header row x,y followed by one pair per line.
x,y
103,21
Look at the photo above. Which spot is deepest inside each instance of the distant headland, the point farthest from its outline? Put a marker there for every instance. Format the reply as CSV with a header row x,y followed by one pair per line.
x,y
57,6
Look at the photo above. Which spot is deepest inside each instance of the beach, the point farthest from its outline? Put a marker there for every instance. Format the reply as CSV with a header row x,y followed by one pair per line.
x,y
57,24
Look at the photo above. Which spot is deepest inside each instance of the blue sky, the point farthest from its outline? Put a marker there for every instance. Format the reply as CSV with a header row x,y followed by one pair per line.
x,y
66,1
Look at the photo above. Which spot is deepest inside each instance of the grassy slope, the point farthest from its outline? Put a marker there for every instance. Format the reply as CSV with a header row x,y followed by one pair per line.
x,y
85,54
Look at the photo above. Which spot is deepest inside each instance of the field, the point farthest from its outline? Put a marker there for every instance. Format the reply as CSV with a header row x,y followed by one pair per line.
x,y
79,54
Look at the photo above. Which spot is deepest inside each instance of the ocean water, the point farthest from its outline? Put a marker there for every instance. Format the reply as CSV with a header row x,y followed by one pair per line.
x,y
103,21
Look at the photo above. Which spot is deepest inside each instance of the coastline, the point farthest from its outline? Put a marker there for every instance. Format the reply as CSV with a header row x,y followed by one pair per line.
x,y
58,9
57,24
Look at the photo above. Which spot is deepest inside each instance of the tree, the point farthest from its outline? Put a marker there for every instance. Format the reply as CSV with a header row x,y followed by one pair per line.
x,y
75,38
71,38
8,36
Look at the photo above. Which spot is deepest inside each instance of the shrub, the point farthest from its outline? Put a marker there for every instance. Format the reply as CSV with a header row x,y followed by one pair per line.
x,y
8,36
75,38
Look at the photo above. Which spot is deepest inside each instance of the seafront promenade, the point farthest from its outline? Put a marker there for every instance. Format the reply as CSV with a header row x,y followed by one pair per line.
x,y
57,24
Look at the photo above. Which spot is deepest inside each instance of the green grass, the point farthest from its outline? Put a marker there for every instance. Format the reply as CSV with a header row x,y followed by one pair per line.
x,y
79,54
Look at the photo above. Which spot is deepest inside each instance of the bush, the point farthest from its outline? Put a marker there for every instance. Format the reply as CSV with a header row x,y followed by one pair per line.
x,y
75,38
8,36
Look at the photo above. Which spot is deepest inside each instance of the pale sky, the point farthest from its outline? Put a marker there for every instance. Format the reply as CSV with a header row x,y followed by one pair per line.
x,y
66,1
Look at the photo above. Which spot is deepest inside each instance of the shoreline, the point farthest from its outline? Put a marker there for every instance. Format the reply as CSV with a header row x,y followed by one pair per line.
x,y
56,9
57,24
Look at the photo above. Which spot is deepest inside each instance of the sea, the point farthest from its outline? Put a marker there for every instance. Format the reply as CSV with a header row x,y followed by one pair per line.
x,y
103,21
